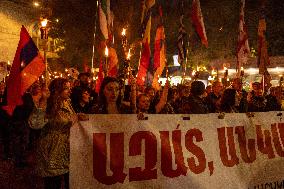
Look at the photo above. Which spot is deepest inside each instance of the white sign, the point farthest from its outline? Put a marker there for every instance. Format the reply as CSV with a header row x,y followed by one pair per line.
x,y
175,58
176,151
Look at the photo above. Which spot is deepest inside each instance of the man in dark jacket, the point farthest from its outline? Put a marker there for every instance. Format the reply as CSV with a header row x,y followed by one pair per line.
x,y
242,105
273,103
196,101
213,97
256,100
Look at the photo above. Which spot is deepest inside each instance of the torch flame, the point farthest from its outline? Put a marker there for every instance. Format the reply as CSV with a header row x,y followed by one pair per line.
x,y
43,22
106,51
123,33
128,55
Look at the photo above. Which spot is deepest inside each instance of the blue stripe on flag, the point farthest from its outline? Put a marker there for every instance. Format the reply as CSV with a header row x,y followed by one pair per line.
x,y
28,53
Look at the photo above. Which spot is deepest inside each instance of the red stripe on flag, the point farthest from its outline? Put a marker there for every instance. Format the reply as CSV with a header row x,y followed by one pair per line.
x,y
243,46
161,57
112,63
263,57
100,78
144,64
31,73
159,40
197,19
157,54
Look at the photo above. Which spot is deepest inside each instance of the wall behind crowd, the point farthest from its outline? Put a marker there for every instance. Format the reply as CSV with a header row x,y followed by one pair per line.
x,y
12,17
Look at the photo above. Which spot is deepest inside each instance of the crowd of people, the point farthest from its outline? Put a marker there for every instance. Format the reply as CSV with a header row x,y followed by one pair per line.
x,y
42,123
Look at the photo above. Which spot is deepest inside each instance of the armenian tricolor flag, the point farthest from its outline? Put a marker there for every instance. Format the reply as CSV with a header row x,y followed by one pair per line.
x,y
27,66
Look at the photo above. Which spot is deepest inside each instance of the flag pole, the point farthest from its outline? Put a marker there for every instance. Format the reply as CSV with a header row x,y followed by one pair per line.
x,y
44,37
263,83
93,53
45,61
280,88
183,62
165,46
167,64
186,56
184,66
142,36
183,71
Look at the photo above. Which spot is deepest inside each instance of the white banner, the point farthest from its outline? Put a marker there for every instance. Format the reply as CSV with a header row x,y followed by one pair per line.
x,y
170,151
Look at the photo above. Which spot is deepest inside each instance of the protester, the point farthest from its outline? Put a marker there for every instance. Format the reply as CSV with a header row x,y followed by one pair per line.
x,y
255,87
181,104
110,99
164,107
273,103
75,83
143,103
213,98
77,89
153,98
53,149
5,128
83,103
20,130
150,92
173,96
255,98
208,89
36,92
161,107
185,90
241,95
196,99
229,101
158,103
93,93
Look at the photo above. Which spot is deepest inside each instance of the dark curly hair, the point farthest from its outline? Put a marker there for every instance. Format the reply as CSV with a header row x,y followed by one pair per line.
x,y
56,87
197,88
228,100
102,98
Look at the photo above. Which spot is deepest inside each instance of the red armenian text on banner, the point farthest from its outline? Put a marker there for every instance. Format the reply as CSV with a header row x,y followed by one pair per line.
x,y
168,151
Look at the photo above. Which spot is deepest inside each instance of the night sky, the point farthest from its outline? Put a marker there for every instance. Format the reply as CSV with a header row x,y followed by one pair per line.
x,y
221,17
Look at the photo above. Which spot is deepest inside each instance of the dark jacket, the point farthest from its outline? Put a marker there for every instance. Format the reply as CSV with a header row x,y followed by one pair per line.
x,y
272,104
78,108
243,106
211,100
257,105
197,105
22,112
